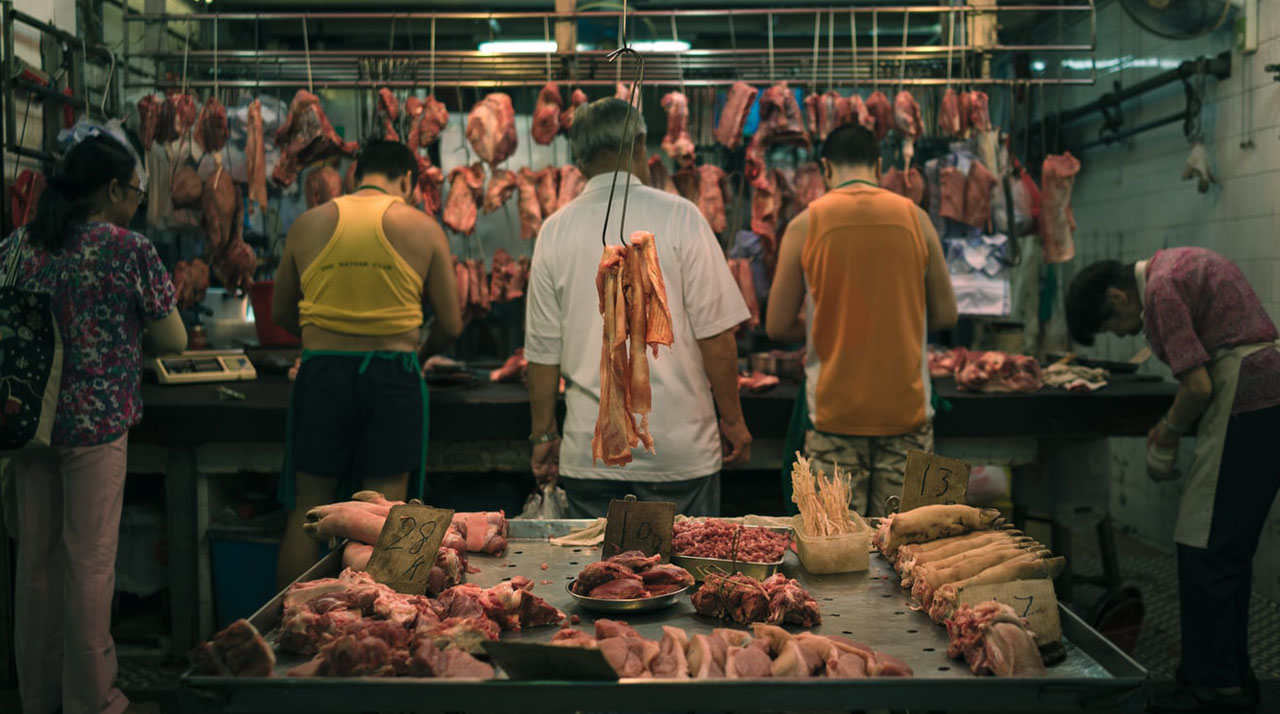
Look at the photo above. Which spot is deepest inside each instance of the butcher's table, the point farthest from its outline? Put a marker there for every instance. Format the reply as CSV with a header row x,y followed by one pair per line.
x,y
484,428
869,607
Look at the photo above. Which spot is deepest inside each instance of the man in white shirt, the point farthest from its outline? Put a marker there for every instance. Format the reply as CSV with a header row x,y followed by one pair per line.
x,y
563,334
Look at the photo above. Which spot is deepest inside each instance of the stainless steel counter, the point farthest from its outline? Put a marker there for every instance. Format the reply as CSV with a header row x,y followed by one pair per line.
x,y
869,607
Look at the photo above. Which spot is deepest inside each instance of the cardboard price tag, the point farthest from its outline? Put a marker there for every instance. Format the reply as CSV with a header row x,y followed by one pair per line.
x,y
639,525
1034,600
406,547
528,660
931,480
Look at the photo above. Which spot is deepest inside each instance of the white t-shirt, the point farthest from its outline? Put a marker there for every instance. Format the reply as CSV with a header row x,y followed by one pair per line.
x,y
563,326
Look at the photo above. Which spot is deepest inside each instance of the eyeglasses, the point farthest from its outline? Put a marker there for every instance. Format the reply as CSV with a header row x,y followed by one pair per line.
x,y
142,192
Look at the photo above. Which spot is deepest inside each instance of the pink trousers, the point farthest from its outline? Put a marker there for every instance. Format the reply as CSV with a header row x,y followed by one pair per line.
x,y
69,501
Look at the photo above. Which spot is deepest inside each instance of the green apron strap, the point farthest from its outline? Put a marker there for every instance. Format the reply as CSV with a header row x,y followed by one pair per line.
x,y
286,486
418,481
794,442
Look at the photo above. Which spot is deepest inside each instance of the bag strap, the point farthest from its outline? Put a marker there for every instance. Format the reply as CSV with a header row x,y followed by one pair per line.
x,y
15,254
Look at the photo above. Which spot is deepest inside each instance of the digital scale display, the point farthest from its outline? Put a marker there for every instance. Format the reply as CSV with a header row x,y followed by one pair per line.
x,y
204,366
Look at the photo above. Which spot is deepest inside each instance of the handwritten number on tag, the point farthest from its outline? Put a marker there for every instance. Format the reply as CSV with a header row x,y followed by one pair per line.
x,y
1030,601
407,524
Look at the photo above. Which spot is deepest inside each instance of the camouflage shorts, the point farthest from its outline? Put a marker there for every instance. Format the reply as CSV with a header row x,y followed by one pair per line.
x,y
876,463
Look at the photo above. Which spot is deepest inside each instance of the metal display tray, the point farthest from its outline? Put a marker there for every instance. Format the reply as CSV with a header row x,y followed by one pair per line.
x,y
868,606
699,567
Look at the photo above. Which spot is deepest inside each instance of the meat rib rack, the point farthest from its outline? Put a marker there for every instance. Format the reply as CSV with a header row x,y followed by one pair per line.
x,y
905,45
869,606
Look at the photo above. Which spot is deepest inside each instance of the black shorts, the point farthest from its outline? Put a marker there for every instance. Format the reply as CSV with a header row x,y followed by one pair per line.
x,y
359,415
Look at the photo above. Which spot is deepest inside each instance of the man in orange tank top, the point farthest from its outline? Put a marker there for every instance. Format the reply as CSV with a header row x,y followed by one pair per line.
x,y
867,270
354,277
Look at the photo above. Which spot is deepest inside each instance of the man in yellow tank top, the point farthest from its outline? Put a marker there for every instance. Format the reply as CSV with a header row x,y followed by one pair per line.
x,y
866,267
352,282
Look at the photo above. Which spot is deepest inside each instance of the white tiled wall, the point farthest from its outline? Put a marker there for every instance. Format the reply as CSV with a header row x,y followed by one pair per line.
x,y
1129,201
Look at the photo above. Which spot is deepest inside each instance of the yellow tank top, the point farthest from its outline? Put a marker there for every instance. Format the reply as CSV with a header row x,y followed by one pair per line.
x,y
864,264
359,284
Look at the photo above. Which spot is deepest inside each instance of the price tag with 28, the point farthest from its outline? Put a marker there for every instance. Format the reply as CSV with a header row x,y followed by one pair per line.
x,y
406,547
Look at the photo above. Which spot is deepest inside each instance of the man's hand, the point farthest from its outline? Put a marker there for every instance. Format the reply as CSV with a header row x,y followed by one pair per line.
x,y
1163,436
545,462
735,441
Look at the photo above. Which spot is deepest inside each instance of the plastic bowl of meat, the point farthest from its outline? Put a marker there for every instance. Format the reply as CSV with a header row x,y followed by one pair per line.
x,y
630,582
716,546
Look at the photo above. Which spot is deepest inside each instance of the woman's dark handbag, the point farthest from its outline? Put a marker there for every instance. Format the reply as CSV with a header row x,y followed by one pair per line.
x,y
30,361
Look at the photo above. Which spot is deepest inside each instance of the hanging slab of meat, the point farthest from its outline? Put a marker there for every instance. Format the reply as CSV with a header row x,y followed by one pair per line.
x,y
466,184
881,110
677,142
711,196
491,128
740,268
766,209
688,183
480,298
507,281
577,99
949,115
853,109
424,131
906,119
1197,167
659,177
148,119
754,167
615,430
977,196
255,158
1058,177
430,180
1023,567
184,112
211,127
223,208
915,186
412,114
546,114
502,183
733,117
979,114
190,282
996,372
952,185
530,207
306,136
894,180
928,523
236,265
548,190
781,121
807,185
658,329
462,278
571,184
187,190
639,389
388,112
826,112
623,92
992,639
321,185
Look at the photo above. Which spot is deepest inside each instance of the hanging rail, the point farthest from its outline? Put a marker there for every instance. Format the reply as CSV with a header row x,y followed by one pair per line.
x,y
708,67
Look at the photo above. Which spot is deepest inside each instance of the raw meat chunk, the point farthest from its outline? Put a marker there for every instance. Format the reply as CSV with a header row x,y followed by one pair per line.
x,y
1058,177
881,111
734,115
491,128
465,192
677,142
546,114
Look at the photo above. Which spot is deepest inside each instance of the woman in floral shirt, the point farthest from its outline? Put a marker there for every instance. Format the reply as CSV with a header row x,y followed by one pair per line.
x,y
111,295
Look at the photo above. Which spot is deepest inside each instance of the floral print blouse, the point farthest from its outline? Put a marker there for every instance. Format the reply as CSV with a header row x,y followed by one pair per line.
x,y
106,282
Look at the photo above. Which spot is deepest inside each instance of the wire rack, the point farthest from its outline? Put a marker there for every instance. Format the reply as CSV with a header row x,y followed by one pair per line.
x,y
839,55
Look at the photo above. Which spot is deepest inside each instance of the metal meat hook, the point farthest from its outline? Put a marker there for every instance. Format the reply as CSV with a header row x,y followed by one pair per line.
x,y
637,82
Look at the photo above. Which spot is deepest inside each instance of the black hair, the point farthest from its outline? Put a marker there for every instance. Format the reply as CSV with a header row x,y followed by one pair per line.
x,y
67,199
387,158
851,145
1087,307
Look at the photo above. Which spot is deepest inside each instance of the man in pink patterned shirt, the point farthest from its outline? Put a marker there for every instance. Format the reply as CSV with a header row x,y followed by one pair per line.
x,y
1202,318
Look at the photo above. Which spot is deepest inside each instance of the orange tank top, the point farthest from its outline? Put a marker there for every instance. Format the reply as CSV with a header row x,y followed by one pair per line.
x,y
864,265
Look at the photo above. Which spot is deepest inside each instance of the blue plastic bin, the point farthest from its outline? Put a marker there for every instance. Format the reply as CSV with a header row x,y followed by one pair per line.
x,y
244,574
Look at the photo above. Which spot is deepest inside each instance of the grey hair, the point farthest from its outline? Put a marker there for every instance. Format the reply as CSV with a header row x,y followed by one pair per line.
x,y
599,126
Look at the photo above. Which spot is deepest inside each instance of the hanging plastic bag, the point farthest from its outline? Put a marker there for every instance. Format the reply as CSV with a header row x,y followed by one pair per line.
x,y
547,502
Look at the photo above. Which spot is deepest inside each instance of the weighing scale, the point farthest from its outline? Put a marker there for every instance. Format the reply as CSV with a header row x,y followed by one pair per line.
x,y
194,366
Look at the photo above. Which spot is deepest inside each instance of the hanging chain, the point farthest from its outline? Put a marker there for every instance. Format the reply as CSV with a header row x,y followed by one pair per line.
x,y
769,27
306,47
